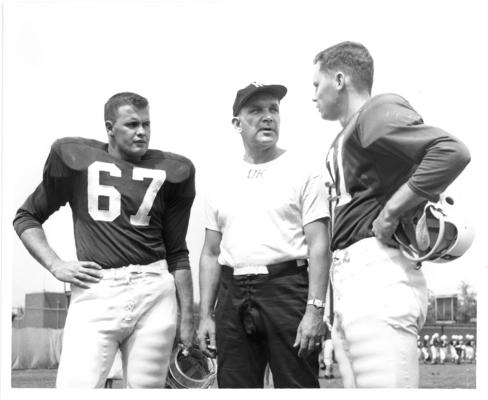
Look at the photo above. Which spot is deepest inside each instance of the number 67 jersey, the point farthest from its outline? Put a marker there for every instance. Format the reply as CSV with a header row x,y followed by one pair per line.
x,y
123,212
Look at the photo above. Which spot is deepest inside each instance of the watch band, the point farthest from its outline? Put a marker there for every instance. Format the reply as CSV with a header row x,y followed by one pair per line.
x,y
316,303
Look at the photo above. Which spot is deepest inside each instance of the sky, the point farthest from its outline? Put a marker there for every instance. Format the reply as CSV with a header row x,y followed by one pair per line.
x,y
63,60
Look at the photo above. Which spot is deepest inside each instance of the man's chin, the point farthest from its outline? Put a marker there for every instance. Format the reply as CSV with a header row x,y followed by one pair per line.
x,y
268,141
137,153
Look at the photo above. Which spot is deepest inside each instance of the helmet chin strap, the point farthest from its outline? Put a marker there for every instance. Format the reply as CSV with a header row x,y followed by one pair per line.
x,y
410,252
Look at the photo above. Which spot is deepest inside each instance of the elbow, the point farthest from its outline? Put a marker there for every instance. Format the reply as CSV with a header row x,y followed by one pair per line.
x,y
461,159
465,157
24,220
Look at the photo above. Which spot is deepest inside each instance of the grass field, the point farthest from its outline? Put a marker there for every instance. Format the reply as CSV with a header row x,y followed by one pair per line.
x,y
448,376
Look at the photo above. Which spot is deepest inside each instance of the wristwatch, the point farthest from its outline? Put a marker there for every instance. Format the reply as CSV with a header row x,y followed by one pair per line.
x,y
316,303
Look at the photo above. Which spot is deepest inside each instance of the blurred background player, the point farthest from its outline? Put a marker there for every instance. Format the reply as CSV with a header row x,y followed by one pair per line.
x,y
452,349
384,163
469,348
266,221
443,347
131,208
434,348
425,348
459,348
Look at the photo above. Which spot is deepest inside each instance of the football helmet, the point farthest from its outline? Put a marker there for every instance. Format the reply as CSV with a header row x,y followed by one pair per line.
x,y
435,232
190,369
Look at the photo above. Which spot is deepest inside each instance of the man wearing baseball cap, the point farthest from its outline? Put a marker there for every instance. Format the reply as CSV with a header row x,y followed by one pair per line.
x,y
264,263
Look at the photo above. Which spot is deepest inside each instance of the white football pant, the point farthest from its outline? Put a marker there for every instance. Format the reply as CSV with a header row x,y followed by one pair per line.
x,y
453,353
442,354
380,303
435,354
128,309
469,353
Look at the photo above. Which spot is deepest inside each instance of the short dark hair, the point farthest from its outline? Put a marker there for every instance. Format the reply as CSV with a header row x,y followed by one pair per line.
x,y
121,99
354,58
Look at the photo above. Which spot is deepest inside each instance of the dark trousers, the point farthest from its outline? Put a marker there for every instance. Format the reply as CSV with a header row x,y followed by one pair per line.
x,y
257,317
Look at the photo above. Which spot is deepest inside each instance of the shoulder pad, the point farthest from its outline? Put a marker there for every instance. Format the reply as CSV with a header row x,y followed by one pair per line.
x,y
178,168
78,153
391,104
390,98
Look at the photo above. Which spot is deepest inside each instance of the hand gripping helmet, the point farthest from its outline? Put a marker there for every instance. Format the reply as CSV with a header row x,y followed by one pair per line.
x,y
190,369
435,232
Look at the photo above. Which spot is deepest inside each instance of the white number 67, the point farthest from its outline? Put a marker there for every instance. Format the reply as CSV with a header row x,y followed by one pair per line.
x,y
95,190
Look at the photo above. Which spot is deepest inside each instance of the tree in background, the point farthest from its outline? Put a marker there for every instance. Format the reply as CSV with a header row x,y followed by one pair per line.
x,y
466,309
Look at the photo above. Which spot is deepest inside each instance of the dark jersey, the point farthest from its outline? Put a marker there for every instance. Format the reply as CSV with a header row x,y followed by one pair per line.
x,y
383,146
123,213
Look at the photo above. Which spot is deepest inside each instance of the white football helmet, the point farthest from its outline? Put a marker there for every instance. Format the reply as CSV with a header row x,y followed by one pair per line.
x,y
190,369
435,233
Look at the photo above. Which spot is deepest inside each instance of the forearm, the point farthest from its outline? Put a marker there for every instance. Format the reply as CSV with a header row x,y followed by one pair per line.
x,y
320,258
209,282
403,200
35,241
184,292
318,272
311,328
441,164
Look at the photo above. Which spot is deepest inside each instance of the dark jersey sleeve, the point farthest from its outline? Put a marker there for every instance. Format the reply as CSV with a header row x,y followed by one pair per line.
x,y
179,199
53,192
391,127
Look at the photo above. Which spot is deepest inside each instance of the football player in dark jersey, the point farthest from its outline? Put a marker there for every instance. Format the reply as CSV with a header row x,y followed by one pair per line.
x,y
435,343
131,207
385,161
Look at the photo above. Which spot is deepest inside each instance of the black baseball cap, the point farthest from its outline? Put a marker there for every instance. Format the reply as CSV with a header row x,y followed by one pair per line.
x,y
244,94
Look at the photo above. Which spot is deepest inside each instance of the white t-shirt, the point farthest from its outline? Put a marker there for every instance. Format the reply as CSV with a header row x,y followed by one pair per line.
x,y
261,210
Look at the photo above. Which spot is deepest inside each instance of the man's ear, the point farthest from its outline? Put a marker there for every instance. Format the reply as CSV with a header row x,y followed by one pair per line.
x,y
236,121
108,127
340,80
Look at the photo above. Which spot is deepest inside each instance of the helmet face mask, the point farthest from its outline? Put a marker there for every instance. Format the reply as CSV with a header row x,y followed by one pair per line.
x,y
190,369
434,232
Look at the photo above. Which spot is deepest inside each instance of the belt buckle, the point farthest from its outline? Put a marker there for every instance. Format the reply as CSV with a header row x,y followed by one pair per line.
x,y
251,270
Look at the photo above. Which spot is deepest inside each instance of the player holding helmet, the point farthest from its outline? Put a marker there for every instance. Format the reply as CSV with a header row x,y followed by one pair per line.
x,y
383,163
131,208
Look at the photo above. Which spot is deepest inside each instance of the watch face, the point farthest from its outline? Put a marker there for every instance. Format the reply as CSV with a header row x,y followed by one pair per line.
x,y
316,302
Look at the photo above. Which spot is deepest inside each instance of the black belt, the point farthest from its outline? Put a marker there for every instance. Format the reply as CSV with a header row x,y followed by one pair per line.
x,y
283,268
